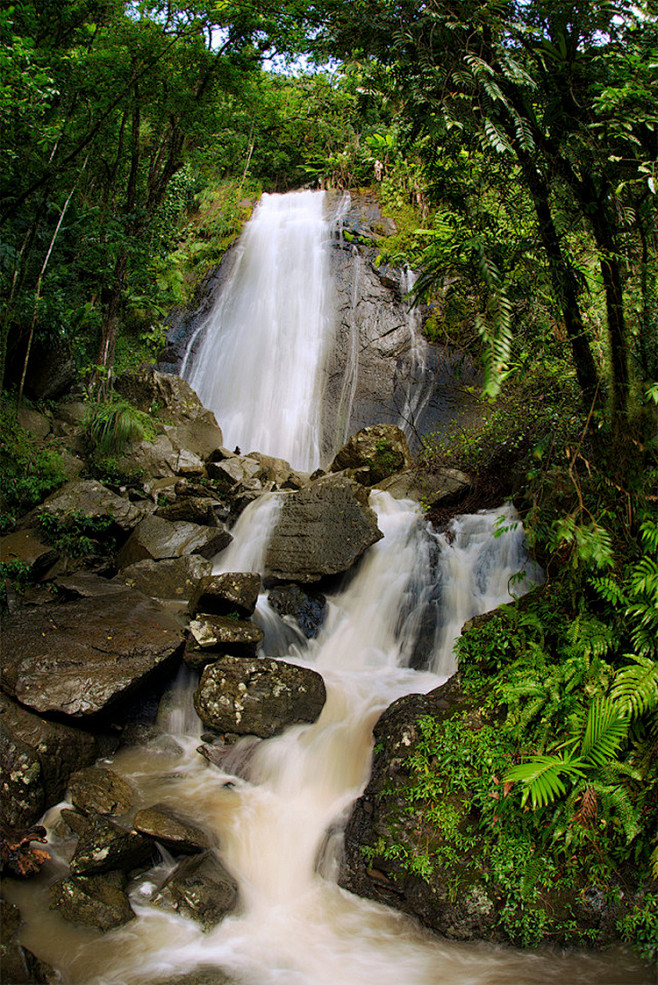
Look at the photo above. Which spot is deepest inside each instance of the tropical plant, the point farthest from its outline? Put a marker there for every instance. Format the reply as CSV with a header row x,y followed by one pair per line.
x,y
591,745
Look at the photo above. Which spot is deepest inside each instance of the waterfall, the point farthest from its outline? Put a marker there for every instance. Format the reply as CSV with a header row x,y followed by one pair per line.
x,y
258,360
276,808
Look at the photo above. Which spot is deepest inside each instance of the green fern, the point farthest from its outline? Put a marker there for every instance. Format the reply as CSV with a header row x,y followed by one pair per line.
x,y
636,686
597,739
109,427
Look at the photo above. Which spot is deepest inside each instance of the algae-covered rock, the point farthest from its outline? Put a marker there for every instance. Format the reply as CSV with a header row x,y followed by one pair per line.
x,y
100,790
95,901
223,594
201,888
382,449
174,830
258,697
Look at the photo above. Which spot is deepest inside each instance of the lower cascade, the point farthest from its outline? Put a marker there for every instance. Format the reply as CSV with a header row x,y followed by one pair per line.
x,y
273,811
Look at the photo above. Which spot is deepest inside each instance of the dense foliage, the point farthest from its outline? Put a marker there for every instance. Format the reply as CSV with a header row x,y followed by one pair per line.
x,y
515,145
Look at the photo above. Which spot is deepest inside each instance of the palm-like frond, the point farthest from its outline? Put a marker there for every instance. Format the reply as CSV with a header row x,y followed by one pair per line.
x,y
543,778
605,731
636,686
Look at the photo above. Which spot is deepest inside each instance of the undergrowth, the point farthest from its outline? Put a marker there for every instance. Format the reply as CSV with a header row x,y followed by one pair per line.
x,y
551,801
28,471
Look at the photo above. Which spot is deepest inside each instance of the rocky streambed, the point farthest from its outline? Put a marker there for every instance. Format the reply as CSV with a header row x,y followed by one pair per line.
x,y
91,646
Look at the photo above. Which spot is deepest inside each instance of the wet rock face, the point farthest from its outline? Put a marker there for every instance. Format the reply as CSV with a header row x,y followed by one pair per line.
x,y
155,539
37,758
382,815
104,846
174,830
258,697
81,658
382,449
307,609
236,637
201,888
442,486
100,790
224,594
95,901
171,578
322,530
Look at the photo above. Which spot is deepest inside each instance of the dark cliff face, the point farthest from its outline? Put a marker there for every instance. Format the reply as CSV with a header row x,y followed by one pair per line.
x,y
381,369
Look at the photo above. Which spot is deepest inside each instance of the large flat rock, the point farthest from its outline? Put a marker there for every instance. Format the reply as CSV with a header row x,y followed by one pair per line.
x,y
91,498
322,530
82,657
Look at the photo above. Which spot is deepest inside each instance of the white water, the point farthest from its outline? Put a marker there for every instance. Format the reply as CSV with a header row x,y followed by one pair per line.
x,y
260,364
277,808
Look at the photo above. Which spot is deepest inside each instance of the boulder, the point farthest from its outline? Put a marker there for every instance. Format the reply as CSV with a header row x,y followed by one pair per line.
x,y
382,816
258,697
195,509
171,578
52,369
168,398
321,530
155,459
98,790
428,488
201,888
155,539
71,412
176,832
381,448
200,439
30,548
278,471
95,901
95,501
306,608
104,846
35,422
81,658
38,757
231,592
233,636
238,469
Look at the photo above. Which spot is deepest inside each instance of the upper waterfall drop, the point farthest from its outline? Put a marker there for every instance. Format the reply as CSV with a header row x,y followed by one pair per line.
x,y
258,360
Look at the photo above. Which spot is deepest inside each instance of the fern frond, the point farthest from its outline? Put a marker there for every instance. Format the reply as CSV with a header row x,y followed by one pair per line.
x,y
636,687
542,777
605,731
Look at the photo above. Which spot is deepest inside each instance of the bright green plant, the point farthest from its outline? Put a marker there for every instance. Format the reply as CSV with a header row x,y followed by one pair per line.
x,y
109,427
592,744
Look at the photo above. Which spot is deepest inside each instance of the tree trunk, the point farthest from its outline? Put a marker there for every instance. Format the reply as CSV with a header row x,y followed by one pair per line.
x,y
565,284
614,302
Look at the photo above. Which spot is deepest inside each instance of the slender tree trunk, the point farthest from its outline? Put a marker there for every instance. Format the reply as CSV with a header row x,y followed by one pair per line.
x,y
37,295
565,284
614,302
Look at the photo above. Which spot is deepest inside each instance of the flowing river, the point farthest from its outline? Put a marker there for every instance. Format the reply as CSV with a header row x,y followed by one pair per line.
x,y
276,809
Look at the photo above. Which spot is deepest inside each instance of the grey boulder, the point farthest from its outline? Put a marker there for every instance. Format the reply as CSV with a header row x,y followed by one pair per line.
x,y
322,530
258,697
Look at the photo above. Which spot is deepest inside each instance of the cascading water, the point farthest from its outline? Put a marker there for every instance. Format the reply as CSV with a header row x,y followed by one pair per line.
x,y
276,808
258,360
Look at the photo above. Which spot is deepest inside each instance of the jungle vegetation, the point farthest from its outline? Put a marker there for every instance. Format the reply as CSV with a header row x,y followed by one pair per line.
x,y
515,145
